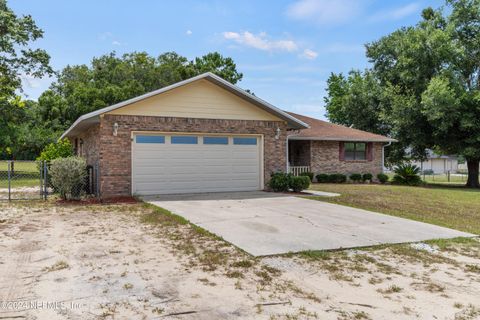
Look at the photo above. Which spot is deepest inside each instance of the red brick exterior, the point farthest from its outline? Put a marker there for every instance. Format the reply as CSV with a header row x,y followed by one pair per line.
x,y
87,144
115,151
324,158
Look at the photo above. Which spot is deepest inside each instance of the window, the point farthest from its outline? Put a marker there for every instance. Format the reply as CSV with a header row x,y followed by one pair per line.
x,y
150,139
355,151
245,141
215,140
184,140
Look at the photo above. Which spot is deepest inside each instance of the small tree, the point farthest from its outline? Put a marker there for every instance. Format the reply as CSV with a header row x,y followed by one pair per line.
x,y
68,176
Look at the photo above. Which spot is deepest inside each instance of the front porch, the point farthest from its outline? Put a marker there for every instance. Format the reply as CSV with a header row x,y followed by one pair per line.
x,y
299,156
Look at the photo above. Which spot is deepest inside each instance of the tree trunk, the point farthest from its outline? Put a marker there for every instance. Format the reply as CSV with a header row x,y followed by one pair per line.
x,y
472,165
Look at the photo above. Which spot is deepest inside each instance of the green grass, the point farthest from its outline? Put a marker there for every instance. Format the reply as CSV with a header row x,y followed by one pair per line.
x,y
25,174
448,206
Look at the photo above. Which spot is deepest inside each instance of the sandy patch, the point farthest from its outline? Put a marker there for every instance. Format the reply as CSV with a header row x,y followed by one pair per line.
x,y
103,262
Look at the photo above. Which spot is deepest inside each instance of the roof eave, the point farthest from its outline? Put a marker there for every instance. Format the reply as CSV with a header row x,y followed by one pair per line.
x,y
342,139
292,121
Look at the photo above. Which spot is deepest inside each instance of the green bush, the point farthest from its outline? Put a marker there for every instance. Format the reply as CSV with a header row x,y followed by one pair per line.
x,y
367,177
382,177
280,181
355,177
322,178
299,183
407,174
337,178
61,149
308,174
68,176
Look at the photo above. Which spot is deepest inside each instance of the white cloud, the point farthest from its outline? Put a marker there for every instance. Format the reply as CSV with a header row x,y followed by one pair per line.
x,y
188,32
261,41
325,11
396,13
309,54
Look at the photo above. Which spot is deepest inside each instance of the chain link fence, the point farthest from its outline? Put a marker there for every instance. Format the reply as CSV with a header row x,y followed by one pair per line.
x,y
23,180
29,180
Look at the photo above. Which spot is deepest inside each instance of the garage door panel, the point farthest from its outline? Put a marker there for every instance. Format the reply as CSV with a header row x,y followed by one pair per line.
x,y
163,168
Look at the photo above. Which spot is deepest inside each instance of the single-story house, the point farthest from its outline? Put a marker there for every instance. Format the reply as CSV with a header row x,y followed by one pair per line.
x,y
438,163
206,135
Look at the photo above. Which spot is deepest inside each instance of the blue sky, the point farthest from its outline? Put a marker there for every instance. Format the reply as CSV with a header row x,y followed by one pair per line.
x,y
285,49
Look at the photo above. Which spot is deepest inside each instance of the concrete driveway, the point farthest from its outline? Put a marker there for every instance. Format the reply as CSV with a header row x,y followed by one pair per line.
x,y
263,223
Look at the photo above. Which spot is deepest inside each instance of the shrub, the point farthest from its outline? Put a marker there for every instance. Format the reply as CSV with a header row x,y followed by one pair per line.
x,y
407,174
280,181
61,149
382,177
299,183
355,177
308,174
322,178
367,177
68,176
337,178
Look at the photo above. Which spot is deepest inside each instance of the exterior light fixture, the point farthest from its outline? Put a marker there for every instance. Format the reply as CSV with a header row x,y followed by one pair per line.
x,y
277,135
115,129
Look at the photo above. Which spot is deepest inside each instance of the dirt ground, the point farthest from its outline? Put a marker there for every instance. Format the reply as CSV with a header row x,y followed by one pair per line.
x,y
131,261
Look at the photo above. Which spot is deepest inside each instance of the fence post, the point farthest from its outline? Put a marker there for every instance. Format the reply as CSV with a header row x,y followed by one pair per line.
x,y
45,180
40,173
9,178
97,180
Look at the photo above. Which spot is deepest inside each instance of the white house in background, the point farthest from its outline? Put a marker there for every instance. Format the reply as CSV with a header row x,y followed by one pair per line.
x,y
439,164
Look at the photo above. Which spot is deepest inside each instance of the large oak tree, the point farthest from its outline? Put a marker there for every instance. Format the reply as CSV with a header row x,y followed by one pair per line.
x,y
428,76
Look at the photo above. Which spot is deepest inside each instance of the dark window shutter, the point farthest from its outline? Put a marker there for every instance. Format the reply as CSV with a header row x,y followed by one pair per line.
x,y
341,151
370,151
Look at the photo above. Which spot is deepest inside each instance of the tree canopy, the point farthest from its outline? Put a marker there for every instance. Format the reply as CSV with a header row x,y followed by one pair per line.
x,y
110,79
423,87
17,60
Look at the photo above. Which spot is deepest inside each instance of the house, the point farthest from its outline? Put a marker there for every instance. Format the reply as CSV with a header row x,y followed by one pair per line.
x,y
438,164
325,147
206,135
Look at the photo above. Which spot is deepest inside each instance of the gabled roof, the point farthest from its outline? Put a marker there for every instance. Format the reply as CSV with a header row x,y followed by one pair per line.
x,y
323,130
93,117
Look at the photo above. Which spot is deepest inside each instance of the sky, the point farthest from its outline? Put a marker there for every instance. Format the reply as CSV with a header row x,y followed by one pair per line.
x,y
286,50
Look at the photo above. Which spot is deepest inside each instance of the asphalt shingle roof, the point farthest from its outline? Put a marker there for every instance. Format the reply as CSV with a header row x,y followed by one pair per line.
x,y
323,130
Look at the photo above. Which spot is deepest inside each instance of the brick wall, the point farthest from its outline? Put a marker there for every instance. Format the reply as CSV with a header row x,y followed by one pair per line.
x,y
325,159
90,148
115,151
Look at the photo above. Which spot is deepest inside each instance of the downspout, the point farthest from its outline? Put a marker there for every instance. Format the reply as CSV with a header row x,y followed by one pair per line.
x,y
383,155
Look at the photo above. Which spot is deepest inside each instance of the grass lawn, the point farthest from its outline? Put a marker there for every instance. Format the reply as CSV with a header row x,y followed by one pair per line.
x,y
26,174
453,207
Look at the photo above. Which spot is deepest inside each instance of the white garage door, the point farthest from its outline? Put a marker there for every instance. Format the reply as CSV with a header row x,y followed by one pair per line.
x,y
171,163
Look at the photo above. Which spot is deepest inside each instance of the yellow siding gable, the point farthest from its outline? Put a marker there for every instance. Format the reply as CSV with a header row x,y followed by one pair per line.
x,y
199,99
